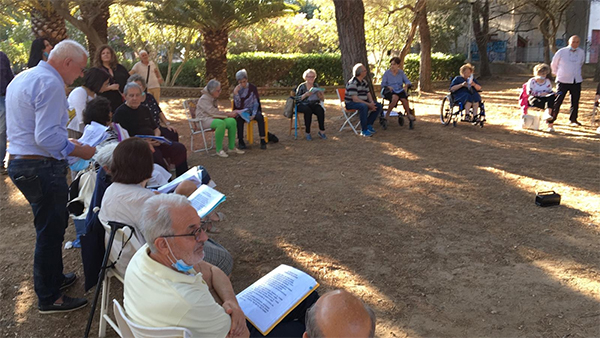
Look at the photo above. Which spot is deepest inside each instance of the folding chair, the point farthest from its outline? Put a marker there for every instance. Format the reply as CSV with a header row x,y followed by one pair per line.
x,y
348,114
129,329
196,126
107,272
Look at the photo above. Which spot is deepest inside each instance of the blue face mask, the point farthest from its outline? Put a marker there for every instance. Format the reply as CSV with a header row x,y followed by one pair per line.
x,y
180,265
573,49
80,165
46,55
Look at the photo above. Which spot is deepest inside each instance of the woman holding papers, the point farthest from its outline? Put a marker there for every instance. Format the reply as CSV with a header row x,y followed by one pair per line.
x,y
311,102
137,120
245,98
94,82
159,117
207,110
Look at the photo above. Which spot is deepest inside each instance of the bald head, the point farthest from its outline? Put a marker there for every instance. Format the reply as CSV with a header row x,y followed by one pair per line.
x,y
339,314
574,41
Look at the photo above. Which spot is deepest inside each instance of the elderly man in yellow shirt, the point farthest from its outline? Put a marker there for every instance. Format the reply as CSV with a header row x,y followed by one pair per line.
x,y
168,284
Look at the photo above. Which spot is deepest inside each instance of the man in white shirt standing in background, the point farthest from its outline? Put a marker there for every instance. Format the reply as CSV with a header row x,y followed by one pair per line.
x,y
566,65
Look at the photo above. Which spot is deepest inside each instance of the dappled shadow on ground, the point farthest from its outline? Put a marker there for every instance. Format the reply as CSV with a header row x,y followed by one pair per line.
x,y
435,228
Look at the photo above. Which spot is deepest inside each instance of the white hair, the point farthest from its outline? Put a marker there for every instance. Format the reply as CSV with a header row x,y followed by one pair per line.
x,y
241,74
156,216
131,85
212,85
308,71
356,69
66,49
143,51
104,154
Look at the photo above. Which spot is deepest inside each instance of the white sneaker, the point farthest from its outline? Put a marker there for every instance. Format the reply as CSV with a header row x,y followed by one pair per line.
x,y
550,129
237,151
222,153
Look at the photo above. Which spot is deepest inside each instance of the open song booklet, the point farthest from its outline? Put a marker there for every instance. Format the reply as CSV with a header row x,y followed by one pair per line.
x,y
205,199
266,302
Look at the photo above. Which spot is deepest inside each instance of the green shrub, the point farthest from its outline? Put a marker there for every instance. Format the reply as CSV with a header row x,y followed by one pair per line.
x,y
192,74
270,69
274,70
443,66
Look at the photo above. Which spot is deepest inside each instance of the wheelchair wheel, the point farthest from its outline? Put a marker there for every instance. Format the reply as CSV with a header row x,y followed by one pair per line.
x,y
481,124
446,111
401,120
384,123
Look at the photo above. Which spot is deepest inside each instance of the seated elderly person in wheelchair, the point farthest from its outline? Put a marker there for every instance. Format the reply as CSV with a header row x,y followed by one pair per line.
x,y
392,89
464,100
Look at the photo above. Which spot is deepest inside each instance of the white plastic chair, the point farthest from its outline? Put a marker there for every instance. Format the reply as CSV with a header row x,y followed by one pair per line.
x,y
348,115
128,329
196,126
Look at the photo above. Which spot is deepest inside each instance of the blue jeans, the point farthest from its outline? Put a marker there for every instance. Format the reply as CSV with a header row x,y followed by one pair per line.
x,y
44,185
366,118
2,129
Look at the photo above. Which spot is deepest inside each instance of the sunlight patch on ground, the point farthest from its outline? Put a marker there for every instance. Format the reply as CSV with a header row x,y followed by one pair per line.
x,y
394,150
15,197
24,300
337,275
573,197
571,277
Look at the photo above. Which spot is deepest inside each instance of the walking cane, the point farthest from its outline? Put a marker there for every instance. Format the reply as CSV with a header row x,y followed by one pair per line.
x,y
114,226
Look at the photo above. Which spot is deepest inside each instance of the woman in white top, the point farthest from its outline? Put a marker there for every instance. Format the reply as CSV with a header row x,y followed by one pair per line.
x,y
539,90
95,81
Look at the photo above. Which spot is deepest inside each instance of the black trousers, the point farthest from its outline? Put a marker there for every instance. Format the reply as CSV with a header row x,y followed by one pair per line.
x,y
260,120
308,110
575,90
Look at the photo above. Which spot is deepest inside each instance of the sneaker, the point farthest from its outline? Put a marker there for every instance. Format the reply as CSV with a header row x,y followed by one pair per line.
x,y
550,129
263,144
241,144
366,133
322,135
575,124
222,153
69,280
68,304
370,129
237,151
308,137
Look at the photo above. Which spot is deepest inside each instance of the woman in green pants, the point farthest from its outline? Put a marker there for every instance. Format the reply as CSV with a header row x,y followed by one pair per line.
x,y
210,116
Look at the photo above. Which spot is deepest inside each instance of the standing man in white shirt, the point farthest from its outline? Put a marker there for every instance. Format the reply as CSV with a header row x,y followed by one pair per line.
x,y
148,70
566,66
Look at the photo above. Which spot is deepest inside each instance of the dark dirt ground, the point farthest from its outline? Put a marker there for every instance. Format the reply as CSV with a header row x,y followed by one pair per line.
x,y
435,228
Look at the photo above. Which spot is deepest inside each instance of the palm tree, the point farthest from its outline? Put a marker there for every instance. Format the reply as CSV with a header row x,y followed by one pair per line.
x,y
215,19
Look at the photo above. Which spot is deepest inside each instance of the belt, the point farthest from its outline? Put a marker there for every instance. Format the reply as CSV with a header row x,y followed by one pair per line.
x,y
30,157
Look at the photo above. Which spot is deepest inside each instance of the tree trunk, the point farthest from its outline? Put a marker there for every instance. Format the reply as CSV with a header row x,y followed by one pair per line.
x,y
96,13
46,22
214,44
350,21
425,61
411,33
482,35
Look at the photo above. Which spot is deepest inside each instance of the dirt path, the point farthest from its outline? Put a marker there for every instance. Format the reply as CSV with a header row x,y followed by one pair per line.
x,y
435,228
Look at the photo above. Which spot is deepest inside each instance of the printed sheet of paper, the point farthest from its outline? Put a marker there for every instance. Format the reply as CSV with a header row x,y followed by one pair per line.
x,y
205,199
93,134
266,302
193,174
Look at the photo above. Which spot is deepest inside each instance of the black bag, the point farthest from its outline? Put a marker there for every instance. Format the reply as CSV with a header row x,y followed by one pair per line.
x,y
547,198
273,138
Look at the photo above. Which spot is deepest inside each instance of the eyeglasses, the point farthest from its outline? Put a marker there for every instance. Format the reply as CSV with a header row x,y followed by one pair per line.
x,y
197,233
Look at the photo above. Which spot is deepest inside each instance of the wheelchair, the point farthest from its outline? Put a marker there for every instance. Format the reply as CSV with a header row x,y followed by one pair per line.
x,y
401,115
451,111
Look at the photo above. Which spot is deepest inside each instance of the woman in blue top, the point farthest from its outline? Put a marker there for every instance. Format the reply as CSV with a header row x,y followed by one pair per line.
x,y
392,88
465,89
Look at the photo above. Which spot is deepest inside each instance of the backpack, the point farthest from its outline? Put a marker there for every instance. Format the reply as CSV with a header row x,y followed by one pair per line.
x,y
288,110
